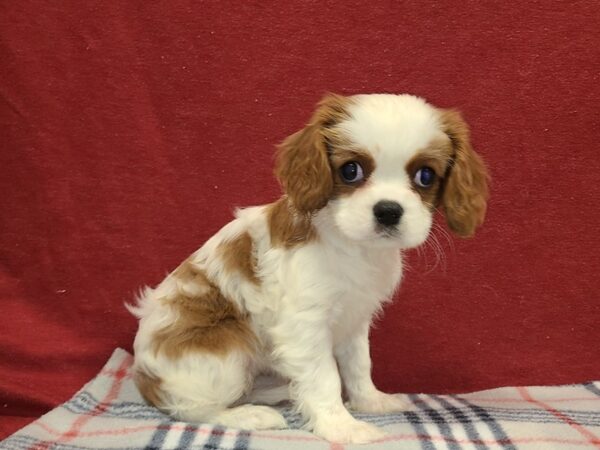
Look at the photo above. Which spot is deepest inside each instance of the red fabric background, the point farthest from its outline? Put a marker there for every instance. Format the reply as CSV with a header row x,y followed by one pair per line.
x,y
130,130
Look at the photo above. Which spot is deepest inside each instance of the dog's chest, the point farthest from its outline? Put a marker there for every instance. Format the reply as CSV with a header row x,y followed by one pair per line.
x,y
363,283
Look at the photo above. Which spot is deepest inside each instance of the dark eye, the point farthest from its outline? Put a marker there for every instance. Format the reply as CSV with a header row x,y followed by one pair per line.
x,y
424,177
352,172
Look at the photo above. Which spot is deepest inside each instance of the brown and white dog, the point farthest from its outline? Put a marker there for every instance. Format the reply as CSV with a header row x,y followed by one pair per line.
x,y
291,288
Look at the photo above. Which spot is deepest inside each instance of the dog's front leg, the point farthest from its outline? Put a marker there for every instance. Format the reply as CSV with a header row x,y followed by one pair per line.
x,y
354,362
304,353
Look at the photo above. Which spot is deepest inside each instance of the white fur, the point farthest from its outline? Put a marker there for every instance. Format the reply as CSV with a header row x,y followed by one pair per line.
x,y
392,128
316,301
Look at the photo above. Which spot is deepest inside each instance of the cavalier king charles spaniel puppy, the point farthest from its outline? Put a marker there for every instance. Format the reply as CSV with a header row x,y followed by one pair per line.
x,y
291,288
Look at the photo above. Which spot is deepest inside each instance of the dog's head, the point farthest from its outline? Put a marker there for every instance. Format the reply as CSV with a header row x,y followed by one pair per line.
x,y
380,164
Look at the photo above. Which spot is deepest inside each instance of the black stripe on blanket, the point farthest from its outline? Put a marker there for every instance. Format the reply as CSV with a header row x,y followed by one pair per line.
x,y
159,436
467,424
436,417
243,441
132,410
494,426
187,437
592,388
214,440
417,424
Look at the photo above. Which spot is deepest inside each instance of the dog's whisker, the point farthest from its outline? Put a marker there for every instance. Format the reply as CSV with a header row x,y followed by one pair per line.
x,y
439,253
440,229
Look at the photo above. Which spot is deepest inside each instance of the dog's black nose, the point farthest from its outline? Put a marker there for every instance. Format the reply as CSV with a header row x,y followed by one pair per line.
x,y
387,213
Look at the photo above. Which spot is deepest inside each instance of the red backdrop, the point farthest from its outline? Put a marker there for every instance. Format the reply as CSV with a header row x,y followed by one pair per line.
x,y
130,131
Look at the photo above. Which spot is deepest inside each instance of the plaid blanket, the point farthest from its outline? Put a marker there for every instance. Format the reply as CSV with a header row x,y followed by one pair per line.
x,y
108,413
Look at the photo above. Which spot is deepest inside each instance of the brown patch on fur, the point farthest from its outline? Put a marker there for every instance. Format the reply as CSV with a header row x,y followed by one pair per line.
x,y
437,156
238,257
341,155
288,227
302,164
206,320
465,188
149,387
189,278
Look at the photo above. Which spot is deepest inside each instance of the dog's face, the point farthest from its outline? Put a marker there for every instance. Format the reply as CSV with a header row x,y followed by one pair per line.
x,y
379,165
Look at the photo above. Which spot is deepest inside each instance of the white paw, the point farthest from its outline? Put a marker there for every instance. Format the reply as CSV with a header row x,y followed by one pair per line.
x,y
348,431
380,403
264,418
252,417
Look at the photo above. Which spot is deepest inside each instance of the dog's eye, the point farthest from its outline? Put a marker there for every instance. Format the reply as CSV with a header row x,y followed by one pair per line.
x,y
352,172
424,177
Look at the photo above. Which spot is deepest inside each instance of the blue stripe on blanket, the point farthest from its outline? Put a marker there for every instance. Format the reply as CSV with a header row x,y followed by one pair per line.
x,y
213,443
530,416
187,437
133,410
442,424
417,423
494,426
159,436
468,425
243,441
592,388
214,440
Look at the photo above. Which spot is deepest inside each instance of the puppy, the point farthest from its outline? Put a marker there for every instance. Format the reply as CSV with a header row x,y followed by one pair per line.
x,y
292,287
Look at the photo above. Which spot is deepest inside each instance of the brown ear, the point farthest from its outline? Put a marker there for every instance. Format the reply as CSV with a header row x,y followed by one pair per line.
x,y
466,184
302,164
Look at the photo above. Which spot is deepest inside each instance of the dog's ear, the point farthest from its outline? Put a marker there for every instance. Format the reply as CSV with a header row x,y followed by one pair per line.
x,y
465,191
302,164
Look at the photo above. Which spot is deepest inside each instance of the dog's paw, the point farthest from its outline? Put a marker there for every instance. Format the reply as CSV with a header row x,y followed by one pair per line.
x,y
380,403
251,417
348,431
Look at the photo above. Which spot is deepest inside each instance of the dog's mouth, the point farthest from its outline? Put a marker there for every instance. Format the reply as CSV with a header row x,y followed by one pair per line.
x,y
387,232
